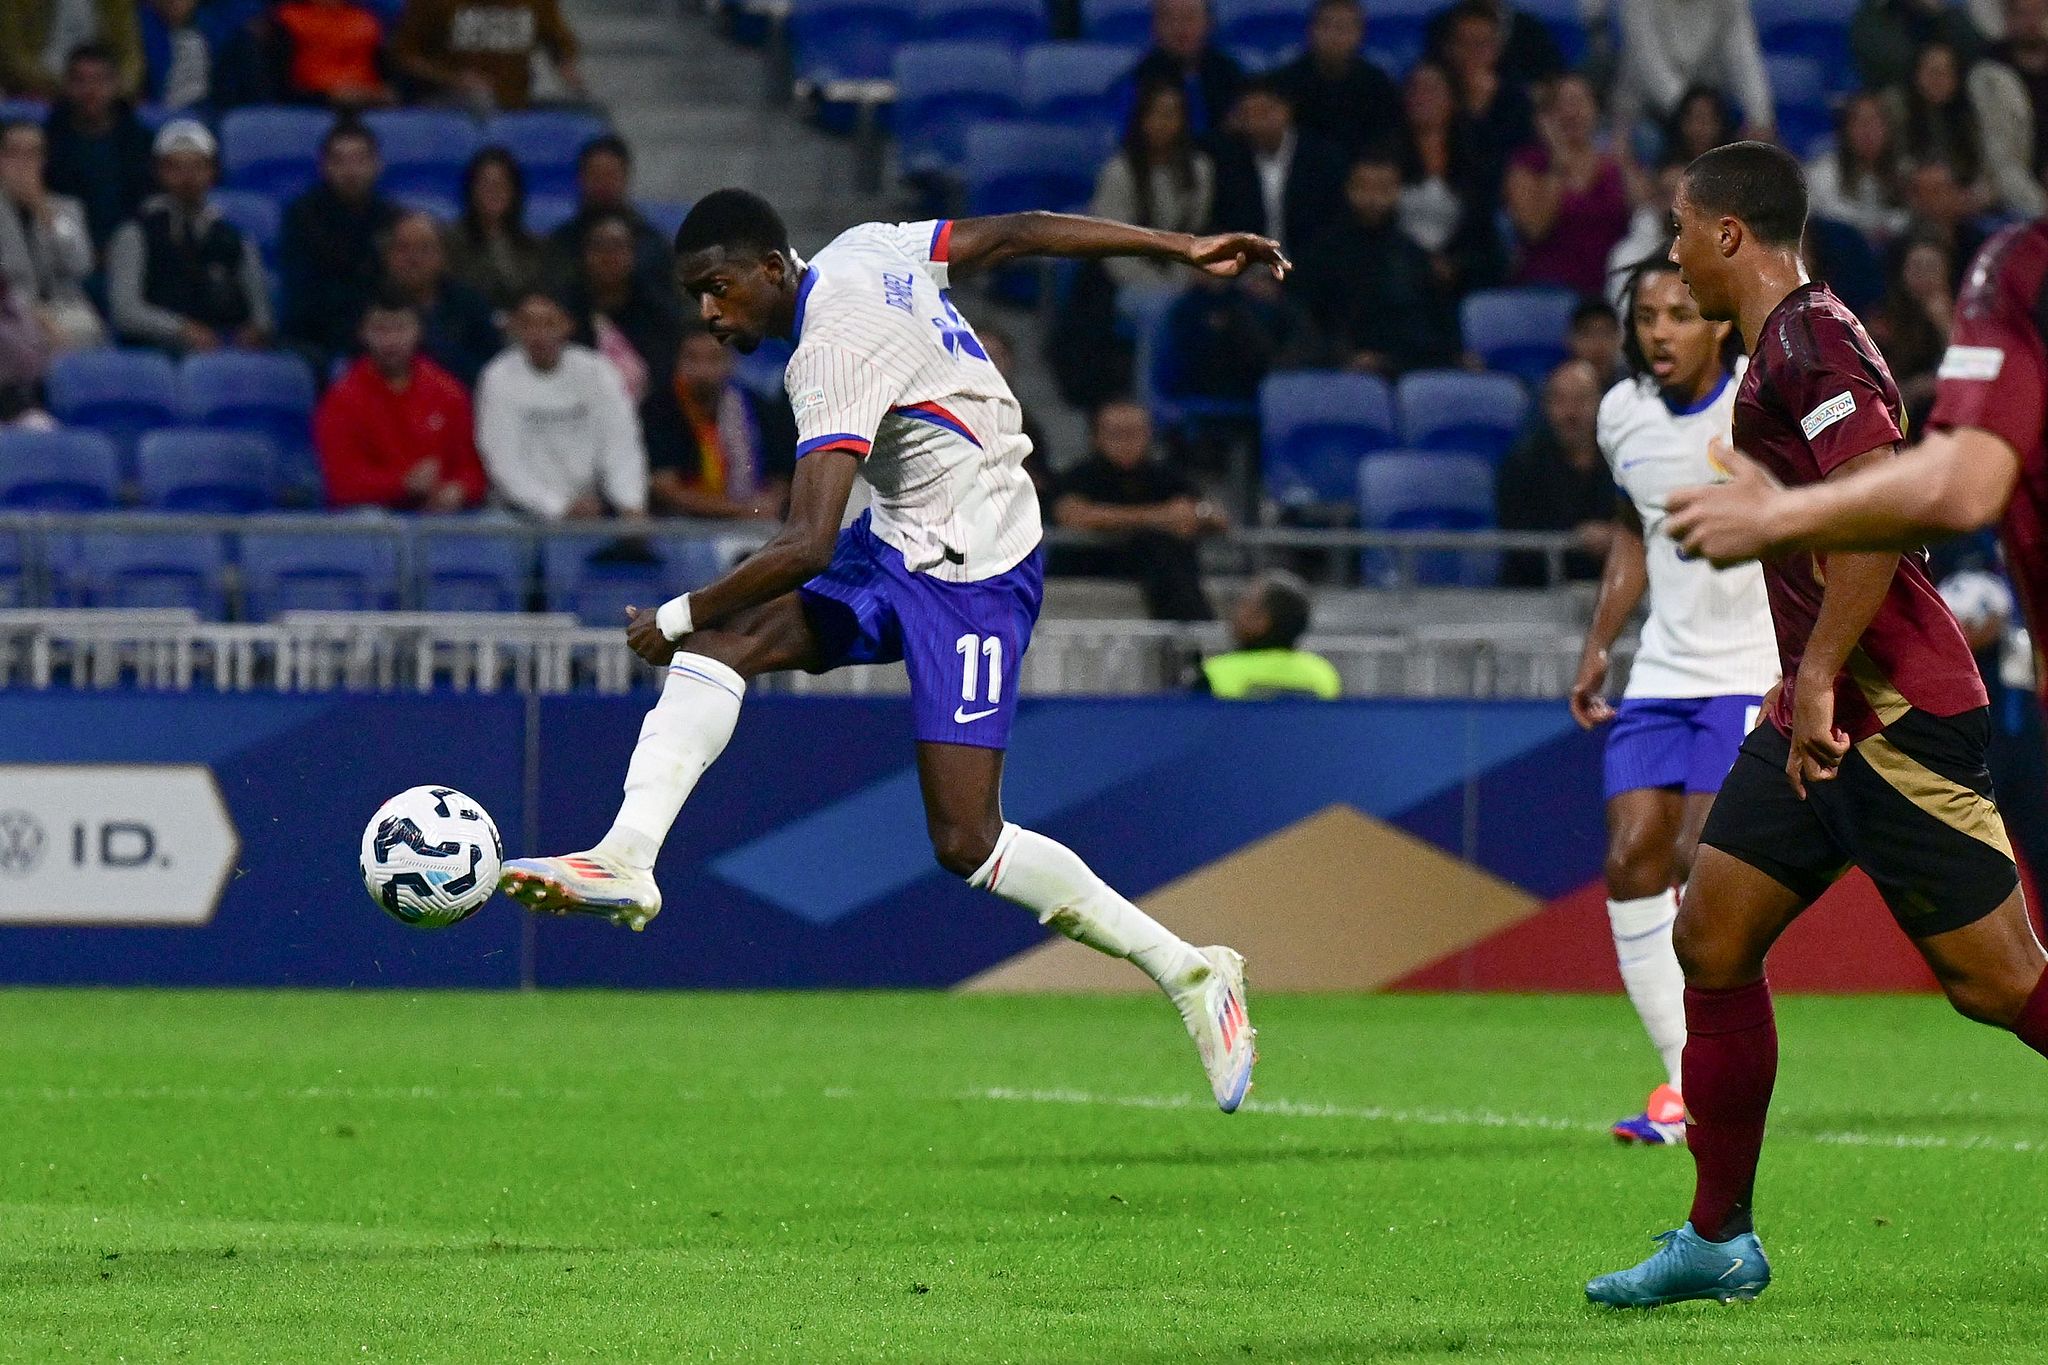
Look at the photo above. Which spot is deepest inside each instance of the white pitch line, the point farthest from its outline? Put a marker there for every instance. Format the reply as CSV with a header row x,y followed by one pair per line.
x,y
1484,1118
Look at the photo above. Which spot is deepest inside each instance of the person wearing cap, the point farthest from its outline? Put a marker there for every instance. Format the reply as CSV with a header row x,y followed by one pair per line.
x,y
180,276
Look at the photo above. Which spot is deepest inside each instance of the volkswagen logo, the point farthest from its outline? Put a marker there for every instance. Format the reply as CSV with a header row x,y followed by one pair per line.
x,y
21,842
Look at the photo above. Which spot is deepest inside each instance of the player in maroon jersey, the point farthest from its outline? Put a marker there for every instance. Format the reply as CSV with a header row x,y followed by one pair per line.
x,y
1873,753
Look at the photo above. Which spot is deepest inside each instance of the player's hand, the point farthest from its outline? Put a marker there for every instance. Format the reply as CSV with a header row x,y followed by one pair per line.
x,y
646,638
1590,706
1731,522
1818,744
1232,253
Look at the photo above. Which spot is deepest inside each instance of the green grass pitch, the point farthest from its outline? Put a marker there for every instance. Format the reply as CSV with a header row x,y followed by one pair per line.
x,y
312,1177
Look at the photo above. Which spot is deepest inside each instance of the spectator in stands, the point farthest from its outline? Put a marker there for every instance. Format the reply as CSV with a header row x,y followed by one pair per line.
x,y
1182,55
1337,94
1912,325
1555,479
198,57
1567,198
1668,46
2006,120
1495,115
635,325
1266,661
1885,35
1858,181
1595,337
396,429
1272,179
1940,120
329,52
180,276
24,361
328,254
1529,52
491,250
1371,288
1123,490
1220,338
1942,210
460,333
45,248
1445,207
99,151
39,37
2024,52
1701,122
1649,228
480,52
554,425
604,188
715,448
1159,179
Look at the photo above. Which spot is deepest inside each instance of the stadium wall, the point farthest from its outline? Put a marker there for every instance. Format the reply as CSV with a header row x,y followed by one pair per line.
x,y
211,840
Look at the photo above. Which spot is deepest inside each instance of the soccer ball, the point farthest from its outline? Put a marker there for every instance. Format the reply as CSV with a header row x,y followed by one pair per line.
x,y
430,857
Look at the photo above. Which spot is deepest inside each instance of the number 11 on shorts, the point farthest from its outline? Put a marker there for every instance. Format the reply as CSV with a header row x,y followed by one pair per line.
x,y
973,649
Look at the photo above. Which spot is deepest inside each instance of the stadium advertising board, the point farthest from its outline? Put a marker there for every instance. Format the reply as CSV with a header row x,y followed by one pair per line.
x,y
144,844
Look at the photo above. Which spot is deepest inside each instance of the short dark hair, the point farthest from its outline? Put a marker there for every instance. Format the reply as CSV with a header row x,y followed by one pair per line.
x,y
1319,6
348,127
604,144
736,220
1590,310
1755,183
546,294
90,52
389,298
1285,598
1267,85
1471,9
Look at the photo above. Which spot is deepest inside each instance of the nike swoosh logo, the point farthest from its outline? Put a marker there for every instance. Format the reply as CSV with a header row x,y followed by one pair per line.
x,y
961,715
1730,1270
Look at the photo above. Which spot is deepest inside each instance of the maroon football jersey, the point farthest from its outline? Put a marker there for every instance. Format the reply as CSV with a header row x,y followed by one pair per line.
x,y
1818,395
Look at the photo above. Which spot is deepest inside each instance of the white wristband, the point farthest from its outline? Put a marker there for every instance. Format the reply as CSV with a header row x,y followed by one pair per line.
x,y
672,618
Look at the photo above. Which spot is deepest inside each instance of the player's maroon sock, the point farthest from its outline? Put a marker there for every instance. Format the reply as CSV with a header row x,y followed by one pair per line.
x,y
2032,1025
1731,1062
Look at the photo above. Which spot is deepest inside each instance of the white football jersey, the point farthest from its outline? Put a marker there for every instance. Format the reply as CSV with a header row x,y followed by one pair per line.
x,y
885,366
1709,632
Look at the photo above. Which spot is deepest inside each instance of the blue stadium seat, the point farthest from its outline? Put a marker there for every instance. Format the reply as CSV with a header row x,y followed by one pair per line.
x,y
207,469
1522,331
598,576
695,560
58,471
272,148
1458,410
1012,167
472,571
256,215
1177,405
1127,23
943,87
268,392
311,571
23,111
1818,29
1799,89
424,149
833,41
142,569
1313,427
1428,491
1013,23
122,393
1080,84
666,215
1270,26
546,212
546,143
1396,31
1567,23
16,589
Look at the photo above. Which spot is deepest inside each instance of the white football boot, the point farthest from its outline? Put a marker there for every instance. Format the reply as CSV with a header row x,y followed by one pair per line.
x,y
583,884
1212,1004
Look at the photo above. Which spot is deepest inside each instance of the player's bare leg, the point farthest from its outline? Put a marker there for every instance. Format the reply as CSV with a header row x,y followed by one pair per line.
x,y
683,734
1732,915
1645,826
962,786
1992,971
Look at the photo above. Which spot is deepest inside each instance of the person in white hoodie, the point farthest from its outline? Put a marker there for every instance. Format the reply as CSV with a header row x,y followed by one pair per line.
x,y
1668,46
557,432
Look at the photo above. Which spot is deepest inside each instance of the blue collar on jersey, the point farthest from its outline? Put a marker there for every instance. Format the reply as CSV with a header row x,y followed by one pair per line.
x,y
1690,411
803,296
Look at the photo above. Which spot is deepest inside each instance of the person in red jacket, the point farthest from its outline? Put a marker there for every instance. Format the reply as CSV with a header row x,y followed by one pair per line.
x,y
396,429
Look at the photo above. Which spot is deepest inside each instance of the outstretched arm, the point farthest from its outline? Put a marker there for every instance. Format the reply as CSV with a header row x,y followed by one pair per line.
x,y
983,243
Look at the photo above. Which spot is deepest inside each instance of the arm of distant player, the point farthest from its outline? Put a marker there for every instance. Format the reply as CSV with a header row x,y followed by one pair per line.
x,y
1854,588
1622,585
799,552
983,243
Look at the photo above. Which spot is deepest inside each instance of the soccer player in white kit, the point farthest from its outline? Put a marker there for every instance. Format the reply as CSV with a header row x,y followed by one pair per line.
x,y
890,384
1706,658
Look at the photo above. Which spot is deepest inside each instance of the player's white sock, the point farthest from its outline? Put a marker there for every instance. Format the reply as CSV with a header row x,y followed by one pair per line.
x,y
1649,968
687,729
1048,878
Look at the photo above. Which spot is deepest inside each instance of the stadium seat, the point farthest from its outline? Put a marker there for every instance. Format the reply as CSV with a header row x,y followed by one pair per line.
x,y
1567,23
58,471
311,571
1799,90
256,215
24,111
546,143
1522,332
1268,26
695,560
597,577
1013,23
1461,411
838,43
207,469
268,392
1012,167
141,569
465,571
1817,29
424,149
272,148
1396,31
1177,406
1077,82
1314,425
940,89
1127,23
121,393
16,587
1428,491
546,212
